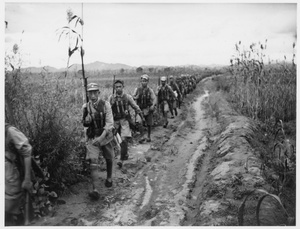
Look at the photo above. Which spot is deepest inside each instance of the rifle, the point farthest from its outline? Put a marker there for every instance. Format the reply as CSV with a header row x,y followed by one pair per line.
x,y
83,77
114,84
28,211
35,170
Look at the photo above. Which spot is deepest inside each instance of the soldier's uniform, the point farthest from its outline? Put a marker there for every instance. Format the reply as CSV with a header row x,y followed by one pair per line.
x,y
17,148
165,96
97,117
175,88
146,100
120,107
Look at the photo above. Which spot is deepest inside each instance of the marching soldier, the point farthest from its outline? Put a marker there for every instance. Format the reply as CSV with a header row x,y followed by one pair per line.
x,y
175,88
146,100
120,103
165,95
98,118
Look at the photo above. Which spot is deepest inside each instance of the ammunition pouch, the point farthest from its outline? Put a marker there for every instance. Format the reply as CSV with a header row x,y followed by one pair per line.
x,y
98,132
92,132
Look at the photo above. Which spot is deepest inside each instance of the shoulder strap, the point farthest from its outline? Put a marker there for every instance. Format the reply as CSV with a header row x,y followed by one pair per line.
x,y
102,103
88,107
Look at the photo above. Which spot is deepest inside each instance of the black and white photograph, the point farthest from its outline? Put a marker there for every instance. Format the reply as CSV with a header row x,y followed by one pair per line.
x,y
147,113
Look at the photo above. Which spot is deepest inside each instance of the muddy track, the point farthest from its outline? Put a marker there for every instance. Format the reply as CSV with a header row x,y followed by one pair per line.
x,y
154,184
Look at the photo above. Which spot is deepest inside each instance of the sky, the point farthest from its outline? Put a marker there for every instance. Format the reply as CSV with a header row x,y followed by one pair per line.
x,y
150,33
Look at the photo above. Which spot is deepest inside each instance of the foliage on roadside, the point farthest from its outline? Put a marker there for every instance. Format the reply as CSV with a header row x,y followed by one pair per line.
x,y
44,112
263,91
267,94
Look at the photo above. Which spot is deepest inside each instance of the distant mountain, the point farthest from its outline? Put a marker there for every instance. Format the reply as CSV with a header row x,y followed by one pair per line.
x,y
98,66
95,66
39,70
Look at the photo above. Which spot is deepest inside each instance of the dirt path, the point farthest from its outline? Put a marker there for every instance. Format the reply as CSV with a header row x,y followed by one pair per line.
x,y
152,187
192,173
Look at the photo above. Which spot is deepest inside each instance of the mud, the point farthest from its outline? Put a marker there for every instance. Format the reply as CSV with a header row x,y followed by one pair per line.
x,y
195,172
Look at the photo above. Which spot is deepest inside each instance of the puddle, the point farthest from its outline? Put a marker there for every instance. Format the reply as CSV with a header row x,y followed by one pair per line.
x,y
200,148
140,149
148,193
197,106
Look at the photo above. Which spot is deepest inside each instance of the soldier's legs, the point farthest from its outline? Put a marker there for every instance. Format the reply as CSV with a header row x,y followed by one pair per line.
x,y
92,155
165,109
108,154
14,219
124,149
179,101
125,134
175,106
13,215
170,104
149,121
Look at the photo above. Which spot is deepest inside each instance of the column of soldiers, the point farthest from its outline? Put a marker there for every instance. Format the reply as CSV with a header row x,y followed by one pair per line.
x,y
107,125
107,119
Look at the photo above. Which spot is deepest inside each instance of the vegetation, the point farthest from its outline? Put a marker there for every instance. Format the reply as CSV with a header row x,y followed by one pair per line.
x,y
263,91
266,92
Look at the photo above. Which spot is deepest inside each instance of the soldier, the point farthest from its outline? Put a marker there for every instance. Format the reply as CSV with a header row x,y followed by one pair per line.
x,y
97,116
165,95
193,78
120,102
146,100
184,85
175,88
181,89
17,174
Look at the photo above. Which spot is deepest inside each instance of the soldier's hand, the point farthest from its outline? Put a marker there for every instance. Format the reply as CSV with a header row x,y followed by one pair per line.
x,y
96,141
27,185
88,120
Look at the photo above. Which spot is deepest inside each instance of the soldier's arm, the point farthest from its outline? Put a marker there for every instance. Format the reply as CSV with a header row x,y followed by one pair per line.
x,y
135,107
109,120
23,147
133,104
135,93
178,90
86,119
153,97
171,91
157,95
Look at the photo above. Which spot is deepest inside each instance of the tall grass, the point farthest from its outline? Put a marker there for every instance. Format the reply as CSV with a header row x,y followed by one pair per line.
x,y
264,91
